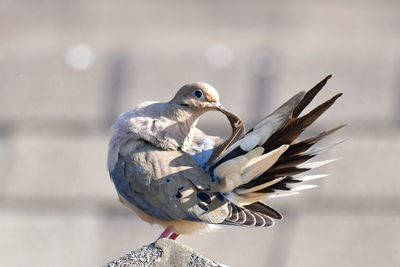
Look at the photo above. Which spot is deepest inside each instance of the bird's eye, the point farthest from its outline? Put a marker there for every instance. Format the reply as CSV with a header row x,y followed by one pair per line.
x,y
198,93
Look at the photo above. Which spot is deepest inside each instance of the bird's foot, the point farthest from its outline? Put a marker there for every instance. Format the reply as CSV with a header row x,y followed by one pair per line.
x,y
168,233
173,236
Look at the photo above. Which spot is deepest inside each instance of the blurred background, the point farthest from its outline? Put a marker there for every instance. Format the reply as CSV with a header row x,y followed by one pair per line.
x,y
69,68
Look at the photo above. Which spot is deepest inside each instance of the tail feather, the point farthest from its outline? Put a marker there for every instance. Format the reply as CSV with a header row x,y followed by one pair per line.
x,y
268,161
308,178
259,164
316,164
296,126
234,214
285,171
293,160
251,216
248,198
305,144
244,191
309,96
264,209
319,150
245,168
297,159
284,185
242,218
288,172
261,131
260,221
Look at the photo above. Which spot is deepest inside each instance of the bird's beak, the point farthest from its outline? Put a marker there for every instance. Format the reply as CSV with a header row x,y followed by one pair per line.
x,y
219,107
215,106
208,106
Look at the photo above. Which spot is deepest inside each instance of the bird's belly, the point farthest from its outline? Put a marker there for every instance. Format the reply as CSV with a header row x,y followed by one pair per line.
x,y
179,226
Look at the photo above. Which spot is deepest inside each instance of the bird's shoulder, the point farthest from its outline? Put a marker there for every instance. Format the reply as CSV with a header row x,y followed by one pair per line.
x,y
146,160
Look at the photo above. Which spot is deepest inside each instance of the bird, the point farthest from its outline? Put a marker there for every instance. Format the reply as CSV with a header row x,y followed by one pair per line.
x,y
171,173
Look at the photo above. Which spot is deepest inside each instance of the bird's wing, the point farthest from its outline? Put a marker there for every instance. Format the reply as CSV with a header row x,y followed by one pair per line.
x,y
168,185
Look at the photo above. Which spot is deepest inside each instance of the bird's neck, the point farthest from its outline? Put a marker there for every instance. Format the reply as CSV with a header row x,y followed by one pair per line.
x,y
182,123
164,125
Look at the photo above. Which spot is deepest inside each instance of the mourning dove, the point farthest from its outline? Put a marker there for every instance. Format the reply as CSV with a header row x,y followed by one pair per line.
x,y
171,173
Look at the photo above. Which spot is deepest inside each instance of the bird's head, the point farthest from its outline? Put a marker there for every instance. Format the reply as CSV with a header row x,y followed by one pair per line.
x,y
197,97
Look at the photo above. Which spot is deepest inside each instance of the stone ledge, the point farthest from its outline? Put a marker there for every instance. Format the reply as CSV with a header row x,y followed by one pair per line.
x,y
163,253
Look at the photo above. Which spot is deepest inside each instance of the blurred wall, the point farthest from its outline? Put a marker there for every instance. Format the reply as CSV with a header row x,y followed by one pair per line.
x,y
68,68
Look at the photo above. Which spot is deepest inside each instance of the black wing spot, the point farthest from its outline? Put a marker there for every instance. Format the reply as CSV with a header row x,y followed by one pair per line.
x,y
178,195
204,197
202,206
220,196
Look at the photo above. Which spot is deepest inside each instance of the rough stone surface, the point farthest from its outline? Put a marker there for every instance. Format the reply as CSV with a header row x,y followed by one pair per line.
x,y
141,257
163,253
197,261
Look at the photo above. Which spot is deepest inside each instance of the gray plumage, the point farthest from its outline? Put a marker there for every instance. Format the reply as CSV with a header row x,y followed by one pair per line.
x,y
171,173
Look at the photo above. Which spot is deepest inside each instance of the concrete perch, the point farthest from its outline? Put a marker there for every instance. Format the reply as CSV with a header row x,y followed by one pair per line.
x,y
163,253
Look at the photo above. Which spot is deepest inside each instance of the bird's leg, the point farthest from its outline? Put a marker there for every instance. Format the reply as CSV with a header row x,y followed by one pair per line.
x,y
166,233
173,236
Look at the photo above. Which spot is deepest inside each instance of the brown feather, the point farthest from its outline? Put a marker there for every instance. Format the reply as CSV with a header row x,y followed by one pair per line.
x,y
268,220
242,217
250,218
238,131
260,221
309,96
305,144
282,185
292,161
270,175
296,126
286,171
264,209
259,215
235,214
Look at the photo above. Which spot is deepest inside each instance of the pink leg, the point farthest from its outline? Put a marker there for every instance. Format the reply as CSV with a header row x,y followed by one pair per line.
x,y
165,234
173,236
